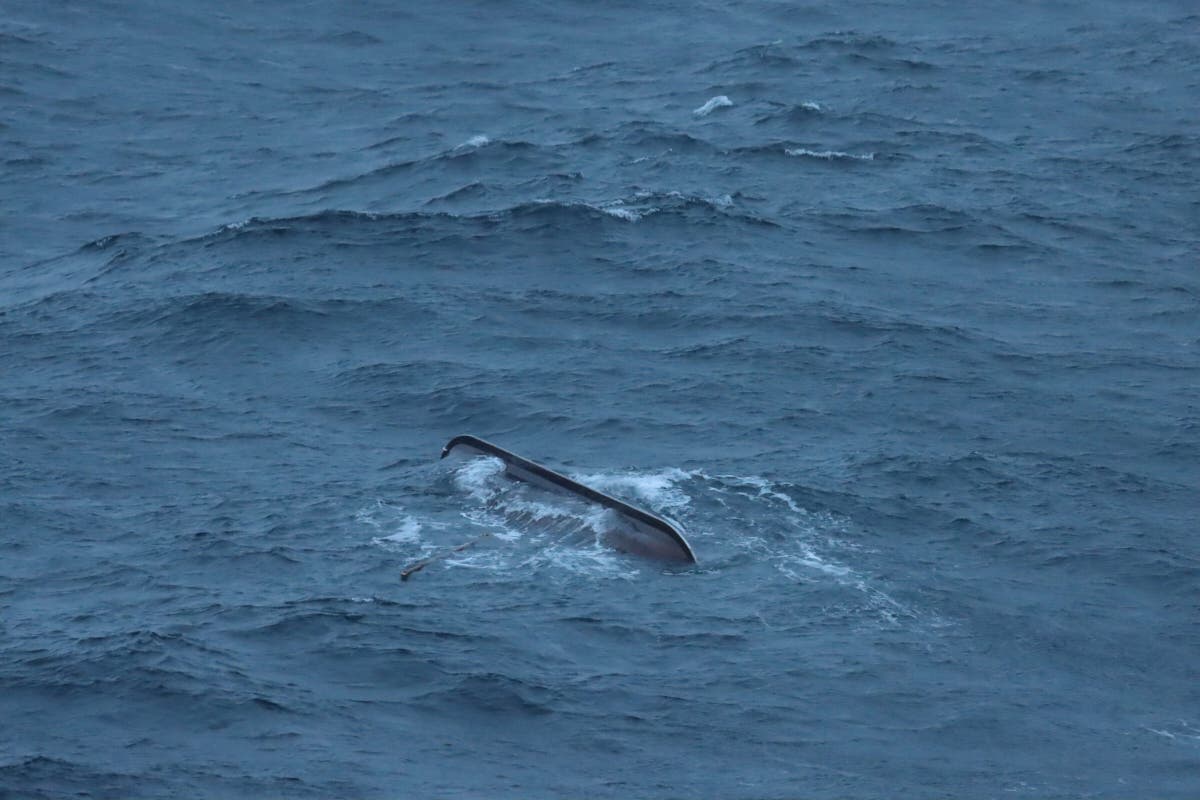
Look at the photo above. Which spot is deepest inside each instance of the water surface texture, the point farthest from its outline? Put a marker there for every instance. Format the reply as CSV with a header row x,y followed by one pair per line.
x,y
894,307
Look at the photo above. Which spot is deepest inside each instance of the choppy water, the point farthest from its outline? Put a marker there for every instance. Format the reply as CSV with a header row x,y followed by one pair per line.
x,y
894,307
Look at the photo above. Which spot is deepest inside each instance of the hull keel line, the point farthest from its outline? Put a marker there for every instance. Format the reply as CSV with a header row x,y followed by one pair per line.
x,y
629,528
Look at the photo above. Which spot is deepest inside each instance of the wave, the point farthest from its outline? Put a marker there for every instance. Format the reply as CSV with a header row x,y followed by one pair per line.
x,y
790,112
851,41
725,205
921,219
781,55
647,204
395,526
769,55
491,693
353,38
140,258
632,209
68,274
466,153
1177,731
202,311
472,190
260,327
828,155
474,143
660,489
1174,148
8,40
647,134
1042,75
720,101
893,64
169,667
349,226
37,776
778,149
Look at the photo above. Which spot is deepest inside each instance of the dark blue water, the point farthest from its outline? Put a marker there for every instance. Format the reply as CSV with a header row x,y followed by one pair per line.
x,y
894,307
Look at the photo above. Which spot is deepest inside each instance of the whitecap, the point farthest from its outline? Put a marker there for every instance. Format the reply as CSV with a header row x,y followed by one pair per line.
x,y
627,214
593,560
476,477
613,208
658,488
490,560
764,489
828,155
720,101
1184,732
409,531
474,142
809,559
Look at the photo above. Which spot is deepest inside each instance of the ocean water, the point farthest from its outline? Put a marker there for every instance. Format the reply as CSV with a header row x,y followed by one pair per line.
x,y
895,307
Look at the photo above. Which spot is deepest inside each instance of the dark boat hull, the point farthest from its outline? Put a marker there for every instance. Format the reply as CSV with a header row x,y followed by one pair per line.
x,y
634,530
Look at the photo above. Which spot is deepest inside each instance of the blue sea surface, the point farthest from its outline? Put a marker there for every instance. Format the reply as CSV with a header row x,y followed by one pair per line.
x,y
894,307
